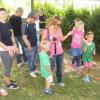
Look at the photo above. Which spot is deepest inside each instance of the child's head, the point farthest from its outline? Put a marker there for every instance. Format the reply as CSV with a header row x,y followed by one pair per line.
x,y
45,45
80,25
3,14
76,20
90,36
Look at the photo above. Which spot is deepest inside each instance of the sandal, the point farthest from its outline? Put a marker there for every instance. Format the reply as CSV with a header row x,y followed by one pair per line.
x,y
3,92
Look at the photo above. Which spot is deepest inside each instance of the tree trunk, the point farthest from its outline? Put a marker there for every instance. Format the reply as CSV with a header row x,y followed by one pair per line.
x,y
32,5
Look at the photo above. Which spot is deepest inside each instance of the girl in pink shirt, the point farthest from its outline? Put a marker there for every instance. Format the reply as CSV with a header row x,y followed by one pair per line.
x,y
76,44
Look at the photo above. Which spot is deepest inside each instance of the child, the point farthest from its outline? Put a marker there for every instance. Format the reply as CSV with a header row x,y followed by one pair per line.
x,y
29,35
76,45
88,51
45,66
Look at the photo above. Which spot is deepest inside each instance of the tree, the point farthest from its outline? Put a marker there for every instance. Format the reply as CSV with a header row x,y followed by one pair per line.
x,y
32,5
1,2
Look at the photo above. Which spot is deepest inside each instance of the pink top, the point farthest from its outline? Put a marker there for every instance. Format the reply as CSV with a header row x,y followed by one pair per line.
x,y
77,38
58,35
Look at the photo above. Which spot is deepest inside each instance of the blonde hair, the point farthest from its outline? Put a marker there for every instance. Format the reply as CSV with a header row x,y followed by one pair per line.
x,y
78,24
45,44
77,19
53,21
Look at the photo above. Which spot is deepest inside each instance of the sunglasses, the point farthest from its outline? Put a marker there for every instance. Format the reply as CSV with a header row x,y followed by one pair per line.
x,y
58,24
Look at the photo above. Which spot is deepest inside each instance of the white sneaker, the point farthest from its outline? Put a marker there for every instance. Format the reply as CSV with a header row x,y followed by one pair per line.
x,y
20,65
37,72
33,74
86,79
62,84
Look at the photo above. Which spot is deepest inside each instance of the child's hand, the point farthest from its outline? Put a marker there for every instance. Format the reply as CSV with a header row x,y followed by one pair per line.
x,y
94,53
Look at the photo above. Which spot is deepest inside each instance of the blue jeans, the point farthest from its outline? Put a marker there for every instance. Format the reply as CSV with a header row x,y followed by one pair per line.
x,y
18,56
31,58
58,59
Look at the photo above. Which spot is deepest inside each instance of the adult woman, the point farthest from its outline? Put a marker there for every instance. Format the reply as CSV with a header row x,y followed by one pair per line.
x,y
55,36
7,48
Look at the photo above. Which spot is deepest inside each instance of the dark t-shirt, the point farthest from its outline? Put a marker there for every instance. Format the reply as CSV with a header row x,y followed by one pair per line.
x,y
16,22
42,19
5,34
30,31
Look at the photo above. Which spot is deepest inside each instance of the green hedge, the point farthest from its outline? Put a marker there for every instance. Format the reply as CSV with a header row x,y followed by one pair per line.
x,y
90,18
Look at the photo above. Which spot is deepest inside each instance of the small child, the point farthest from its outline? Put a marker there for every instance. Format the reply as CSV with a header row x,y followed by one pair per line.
x,y
45,66
88,52
77,40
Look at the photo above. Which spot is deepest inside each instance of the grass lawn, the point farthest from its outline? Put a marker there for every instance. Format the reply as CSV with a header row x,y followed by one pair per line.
x,y
32,88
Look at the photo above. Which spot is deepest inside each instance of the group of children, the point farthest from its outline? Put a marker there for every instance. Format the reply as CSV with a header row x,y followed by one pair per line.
x,y
51,52
82,49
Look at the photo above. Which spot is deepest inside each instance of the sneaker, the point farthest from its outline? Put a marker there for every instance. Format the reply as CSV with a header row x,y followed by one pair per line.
x,y
20,65
12,86
52,83
48,92
3,92
62,84
11,81
37,72
86,79
33,74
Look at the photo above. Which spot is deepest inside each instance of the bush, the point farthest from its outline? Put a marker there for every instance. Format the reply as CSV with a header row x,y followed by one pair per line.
x,y
94,26
49,10
68,20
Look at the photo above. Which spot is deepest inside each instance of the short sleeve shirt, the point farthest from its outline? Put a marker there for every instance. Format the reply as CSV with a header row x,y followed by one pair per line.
x,y
5,34
30,31
87,56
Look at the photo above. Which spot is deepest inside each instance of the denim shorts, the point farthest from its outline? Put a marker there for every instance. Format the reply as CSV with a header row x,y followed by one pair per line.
x,y
76,51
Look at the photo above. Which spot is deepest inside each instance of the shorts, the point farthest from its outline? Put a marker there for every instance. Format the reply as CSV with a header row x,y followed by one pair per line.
x,y
88,64
50,78
76,51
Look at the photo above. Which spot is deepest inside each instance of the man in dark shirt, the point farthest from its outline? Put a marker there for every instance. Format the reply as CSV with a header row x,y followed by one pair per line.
x,y
16,22
30,41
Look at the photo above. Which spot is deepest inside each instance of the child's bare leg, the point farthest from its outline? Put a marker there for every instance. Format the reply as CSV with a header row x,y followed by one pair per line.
x,y
48,83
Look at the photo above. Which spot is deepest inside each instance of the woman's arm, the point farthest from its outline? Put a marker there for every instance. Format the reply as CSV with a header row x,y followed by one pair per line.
x,y
2,45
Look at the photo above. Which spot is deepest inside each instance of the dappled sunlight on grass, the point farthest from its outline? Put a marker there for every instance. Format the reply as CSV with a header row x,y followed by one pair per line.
x,y
32,88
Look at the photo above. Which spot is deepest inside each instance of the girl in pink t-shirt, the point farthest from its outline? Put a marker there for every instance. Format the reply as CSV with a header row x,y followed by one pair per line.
x,y
76,44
